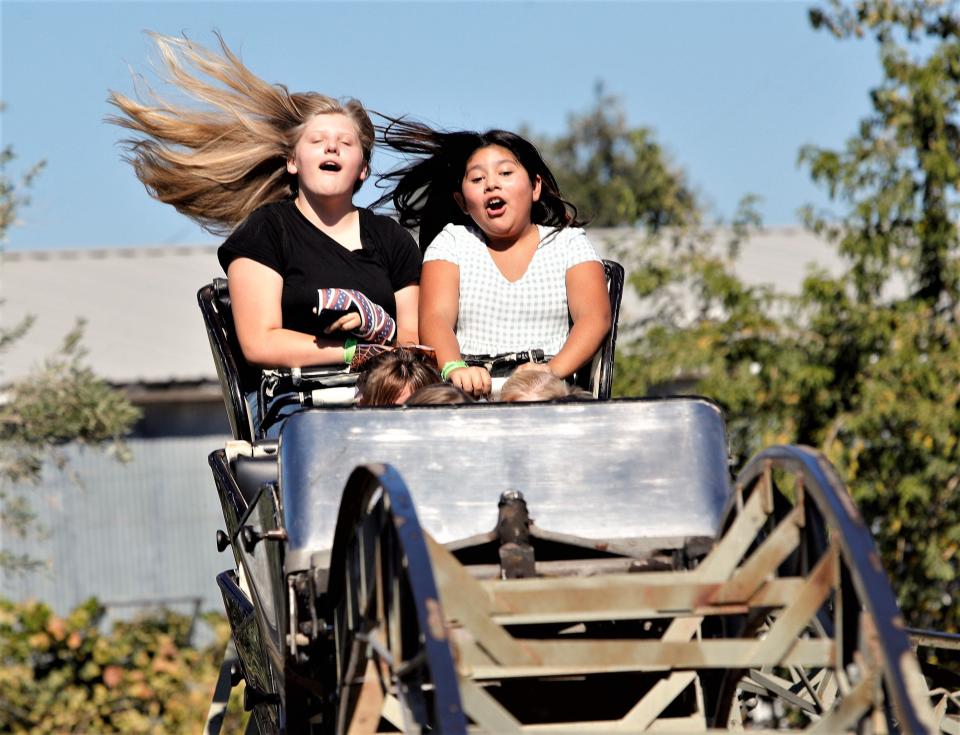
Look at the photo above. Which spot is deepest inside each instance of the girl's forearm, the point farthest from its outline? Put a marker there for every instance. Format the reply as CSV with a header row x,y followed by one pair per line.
x,y
407,336
585,338
287,348
437,333
408,328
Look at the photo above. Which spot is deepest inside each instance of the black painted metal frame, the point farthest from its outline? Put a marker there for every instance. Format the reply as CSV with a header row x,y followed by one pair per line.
x,y
236,376
377,493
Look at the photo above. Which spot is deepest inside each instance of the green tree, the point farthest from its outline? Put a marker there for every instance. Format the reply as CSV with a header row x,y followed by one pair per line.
x,y
617,174
865,366
63,401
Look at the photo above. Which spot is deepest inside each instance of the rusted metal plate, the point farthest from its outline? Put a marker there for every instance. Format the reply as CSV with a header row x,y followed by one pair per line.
x,y
651,469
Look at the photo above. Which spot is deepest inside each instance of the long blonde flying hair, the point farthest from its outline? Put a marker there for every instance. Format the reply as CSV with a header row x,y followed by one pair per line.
x,y
218,164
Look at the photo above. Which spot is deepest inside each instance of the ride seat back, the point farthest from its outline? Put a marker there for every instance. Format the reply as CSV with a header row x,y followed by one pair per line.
x,y
237,377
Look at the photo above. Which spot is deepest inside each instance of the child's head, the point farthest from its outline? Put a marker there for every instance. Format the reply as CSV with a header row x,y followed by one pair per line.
x,y
533,385
431,192
332,134
392,377
499,193
439,394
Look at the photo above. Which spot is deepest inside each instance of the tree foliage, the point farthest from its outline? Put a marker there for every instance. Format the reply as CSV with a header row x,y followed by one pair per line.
x,y
898,176
617,174
63,401
64,674
12,193
865,366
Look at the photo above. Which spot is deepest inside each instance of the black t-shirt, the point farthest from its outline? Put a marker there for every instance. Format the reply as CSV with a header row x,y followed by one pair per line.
x,y
280,237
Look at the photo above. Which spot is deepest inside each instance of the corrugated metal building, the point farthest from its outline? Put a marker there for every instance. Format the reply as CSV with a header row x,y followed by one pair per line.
x,y
143,531
126,532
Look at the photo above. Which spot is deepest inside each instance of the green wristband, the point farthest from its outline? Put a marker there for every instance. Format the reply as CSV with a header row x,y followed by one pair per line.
x,y
349,349
449,367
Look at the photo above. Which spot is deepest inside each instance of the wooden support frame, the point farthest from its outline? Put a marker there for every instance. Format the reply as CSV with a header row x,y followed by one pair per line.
x,y
775,611
791,657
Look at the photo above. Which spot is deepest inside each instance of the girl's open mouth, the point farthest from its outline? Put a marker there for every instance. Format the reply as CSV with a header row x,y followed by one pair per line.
x,y
495,206
330,166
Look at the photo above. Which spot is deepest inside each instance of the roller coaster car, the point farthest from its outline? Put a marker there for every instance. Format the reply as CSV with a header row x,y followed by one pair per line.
x,y
554,567
239,379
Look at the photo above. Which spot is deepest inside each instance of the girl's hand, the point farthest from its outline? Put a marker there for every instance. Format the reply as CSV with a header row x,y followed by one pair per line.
x,y
374,324
543,367
346,323
473,380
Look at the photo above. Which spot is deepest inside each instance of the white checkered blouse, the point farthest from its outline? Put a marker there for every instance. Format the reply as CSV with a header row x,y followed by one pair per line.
x,y
497,315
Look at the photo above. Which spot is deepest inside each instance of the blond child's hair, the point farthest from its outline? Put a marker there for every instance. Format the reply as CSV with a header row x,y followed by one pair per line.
x,y
533,385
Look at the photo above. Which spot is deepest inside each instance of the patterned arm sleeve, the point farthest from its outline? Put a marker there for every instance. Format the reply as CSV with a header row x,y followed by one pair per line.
x,y
376,325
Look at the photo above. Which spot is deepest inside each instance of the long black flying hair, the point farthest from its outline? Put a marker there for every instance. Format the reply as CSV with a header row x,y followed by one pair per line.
x,y
422,191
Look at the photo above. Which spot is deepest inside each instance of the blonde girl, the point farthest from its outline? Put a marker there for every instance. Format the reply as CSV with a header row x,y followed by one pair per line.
x,y
277,171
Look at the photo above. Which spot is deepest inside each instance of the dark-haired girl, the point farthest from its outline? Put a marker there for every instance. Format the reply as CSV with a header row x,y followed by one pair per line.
x,y
506,267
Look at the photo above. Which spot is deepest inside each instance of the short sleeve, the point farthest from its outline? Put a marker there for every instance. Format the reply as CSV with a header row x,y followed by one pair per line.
x,y
443,247
578,248
405,259
259,237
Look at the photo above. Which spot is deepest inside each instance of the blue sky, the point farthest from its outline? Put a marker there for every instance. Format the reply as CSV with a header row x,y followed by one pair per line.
x,y
732,89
